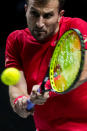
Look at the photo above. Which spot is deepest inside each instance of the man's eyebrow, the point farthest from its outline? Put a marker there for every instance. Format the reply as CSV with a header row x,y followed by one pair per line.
x,y
34,9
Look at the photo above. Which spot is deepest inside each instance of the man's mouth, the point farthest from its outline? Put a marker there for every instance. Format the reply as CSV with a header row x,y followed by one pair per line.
x,y
39,31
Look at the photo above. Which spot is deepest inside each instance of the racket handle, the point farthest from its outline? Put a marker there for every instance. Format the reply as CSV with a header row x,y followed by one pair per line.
x,y
30,105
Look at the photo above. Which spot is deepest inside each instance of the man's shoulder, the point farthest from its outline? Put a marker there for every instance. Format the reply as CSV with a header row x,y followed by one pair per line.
x,y
72,20
19,33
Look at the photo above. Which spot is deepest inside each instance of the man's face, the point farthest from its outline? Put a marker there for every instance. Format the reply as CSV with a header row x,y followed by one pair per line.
x,y
42,19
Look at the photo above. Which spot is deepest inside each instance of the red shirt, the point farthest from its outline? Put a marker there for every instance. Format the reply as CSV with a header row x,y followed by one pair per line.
x,y
67,112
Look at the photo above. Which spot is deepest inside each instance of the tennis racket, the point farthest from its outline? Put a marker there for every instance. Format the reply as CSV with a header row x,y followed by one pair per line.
x,y
66,64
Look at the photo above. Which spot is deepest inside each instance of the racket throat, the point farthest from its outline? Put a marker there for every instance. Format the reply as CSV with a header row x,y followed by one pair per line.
x,y
44,81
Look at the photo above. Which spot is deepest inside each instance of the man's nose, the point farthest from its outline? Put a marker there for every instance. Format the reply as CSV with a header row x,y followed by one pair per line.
x,y
40,22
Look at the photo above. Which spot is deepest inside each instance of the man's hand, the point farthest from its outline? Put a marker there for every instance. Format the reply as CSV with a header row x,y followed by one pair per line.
x,y
20,107
38,98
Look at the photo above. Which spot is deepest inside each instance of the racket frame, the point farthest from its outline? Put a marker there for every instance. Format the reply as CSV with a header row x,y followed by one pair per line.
x,y
81,63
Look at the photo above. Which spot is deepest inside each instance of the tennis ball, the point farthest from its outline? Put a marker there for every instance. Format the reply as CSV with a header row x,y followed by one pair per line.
x,y
10,76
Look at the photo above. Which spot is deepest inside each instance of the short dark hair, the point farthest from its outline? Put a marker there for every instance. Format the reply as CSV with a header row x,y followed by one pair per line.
x,y
61,4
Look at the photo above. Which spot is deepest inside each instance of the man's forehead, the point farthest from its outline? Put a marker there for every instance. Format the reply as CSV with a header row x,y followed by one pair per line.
x,y
44,10
44,3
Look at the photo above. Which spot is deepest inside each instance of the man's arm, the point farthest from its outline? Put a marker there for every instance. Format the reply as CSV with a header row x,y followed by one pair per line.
x,y
83,77
19,89
20,105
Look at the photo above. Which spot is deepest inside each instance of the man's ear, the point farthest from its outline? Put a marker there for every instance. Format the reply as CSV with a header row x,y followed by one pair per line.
x,y
60,14
25,7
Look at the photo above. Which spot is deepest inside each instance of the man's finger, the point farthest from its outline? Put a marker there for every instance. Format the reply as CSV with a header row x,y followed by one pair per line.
x,y
35,88
46,95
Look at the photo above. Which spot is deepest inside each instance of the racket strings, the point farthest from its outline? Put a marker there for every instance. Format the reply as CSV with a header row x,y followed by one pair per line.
x,y
66,57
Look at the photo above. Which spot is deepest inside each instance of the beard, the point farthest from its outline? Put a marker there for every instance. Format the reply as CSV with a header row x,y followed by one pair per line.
x,y
41,35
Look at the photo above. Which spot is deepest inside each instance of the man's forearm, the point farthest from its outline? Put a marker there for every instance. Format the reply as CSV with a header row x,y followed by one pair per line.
x,y
19,89
83,77
15,92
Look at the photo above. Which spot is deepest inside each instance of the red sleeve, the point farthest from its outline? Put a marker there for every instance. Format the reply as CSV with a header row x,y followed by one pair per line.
x,y
82,26
12,56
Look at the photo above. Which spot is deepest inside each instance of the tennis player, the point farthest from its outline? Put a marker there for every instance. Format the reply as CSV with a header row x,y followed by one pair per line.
x,y
30,50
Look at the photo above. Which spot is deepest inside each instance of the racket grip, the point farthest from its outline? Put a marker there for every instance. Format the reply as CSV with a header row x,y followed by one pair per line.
x,y
30,105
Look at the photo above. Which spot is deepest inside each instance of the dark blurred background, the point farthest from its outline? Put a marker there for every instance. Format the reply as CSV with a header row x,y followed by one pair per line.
x,y
13,17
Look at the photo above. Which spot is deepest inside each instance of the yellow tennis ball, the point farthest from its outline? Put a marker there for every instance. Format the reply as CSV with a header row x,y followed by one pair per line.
x,y
10,76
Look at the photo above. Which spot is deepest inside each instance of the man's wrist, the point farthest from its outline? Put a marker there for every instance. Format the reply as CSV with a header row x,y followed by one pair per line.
x,y
16,99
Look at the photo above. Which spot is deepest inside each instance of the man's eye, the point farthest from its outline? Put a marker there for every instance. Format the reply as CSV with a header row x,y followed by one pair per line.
x,y
35,14
48,15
